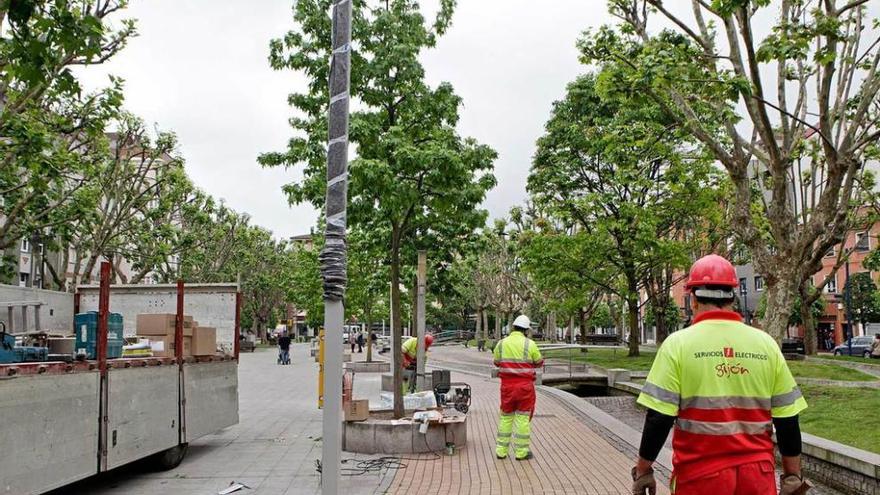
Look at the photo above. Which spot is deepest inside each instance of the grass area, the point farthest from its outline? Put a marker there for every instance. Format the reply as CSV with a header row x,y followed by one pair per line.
x,y
853,359
606,358
856,424
616,358
806,369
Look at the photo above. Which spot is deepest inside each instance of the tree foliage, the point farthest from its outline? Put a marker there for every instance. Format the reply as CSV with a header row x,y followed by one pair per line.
x,y
790,111
53,132
629,180
415,180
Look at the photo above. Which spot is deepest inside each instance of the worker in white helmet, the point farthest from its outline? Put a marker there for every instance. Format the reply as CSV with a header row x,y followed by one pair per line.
x,y
517,358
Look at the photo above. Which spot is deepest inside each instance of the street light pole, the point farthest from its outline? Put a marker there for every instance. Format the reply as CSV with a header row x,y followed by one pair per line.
x,y
333,256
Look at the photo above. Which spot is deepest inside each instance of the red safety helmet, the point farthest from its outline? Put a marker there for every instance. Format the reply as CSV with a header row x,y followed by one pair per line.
x,y
429,339
712,270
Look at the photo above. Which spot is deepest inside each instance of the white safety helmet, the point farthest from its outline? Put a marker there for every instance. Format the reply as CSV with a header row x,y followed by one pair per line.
x,y
523,322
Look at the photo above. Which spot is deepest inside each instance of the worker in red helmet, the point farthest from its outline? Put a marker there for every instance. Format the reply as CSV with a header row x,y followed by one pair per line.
x,y
725,386
409,350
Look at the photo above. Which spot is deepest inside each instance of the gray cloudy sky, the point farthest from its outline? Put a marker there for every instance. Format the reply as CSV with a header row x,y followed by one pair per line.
x,y
199,68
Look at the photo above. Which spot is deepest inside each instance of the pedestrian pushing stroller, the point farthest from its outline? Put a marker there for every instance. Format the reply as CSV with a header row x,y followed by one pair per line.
x,y
283,356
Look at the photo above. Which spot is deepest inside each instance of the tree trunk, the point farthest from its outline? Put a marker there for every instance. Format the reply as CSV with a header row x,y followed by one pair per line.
x,y
632,305
810,338
582,317
478,325
497,335
87,272
369,336
570,329
551,326
780,299
485,323
396,327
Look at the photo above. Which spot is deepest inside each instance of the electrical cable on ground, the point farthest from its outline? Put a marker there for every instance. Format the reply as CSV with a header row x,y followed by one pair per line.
x,y
380,464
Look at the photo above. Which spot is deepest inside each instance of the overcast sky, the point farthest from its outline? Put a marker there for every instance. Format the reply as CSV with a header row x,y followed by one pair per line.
x,y
199,68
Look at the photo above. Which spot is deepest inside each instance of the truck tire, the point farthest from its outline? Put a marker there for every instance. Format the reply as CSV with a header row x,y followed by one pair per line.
x,y
171,458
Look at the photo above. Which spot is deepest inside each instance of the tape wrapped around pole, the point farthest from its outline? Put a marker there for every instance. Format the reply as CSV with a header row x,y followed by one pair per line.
x,y
333,256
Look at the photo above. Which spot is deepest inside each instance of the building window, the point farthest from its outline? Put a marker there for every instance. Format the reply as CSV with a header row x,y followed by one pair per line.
x,y
759,284
23,279
743,286
25,246
863,241
831,287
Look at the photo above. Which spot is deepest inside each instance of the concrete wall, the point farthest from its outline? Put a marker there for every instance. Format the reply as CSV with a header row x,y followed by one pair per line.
x,y
212,305
49,436
56,313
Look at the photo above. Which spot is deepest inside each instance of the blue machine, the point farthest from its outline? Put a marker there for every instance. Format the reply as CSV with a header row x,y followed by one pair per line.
x,y
10,353
86,325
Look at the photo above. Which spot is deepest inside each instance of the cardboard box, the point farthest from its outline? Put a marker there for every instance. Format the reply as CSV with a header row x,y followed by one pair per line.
x,y
162,324
163,346
357,410
204,341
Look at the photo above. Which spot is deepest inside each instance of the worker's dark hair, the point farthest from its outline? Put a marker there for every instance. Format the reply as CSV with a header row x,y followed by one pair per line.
x,y
718,303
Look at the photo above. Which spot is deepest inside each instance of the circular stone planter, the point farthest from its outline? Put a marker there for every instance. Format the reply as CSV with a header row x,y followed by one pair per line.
x,y
380,434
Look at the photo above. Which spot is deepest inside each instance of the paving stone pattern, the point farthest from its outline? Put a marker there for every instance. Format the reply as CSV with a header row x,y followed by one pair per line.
x,y
569,456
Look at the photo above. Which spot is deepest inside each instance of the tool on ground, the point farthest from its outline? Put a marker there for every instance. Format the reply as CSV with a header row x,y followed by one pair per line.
x,y
456,395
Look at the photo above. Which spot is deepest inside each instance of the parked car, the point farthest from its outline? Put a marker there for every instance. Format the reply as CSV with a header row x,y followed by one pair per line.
x,y
793,345
861,346
382,344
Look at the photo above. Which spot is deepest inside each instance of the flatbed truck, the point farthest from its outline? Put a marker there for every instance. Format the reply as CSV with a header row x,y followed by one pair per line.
x,y
64,422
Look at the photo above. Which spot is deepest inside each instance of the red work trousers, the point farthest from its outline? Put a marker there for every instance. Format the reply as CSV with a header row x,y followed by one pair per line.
x,y
517,396
754,478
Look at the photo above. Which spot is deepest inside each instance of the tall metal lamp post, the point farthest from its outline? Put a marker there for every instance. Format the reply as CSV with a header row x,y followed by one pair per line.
x,y
333,256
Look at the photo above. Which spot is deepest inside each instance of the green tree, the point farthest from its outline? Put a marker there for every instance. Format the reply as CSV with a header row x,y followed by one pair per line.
x,y
413,174
368,280
53,132
862,298
617,167
817,309
141,179
808,86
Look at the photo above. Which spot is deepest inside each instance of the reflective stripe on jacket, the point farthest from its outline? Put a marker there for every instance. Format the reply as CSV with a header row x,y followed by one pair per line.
x,y
725,381
516,357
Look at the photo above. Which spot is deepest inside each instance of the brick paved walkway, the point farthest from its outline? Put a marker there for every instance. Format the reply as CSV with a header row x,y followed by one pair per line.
x,y
570,457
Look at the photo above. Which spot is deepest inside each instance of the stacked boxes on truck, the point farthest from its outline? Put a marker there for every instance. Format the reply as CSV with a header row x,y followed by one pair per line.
x,y
204,341
159,328
86,334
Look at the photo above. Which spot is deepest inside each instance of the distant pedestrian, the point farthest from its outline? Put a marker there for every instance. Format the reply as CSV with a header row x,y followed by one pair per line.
x,y
875,347
284,349
360,341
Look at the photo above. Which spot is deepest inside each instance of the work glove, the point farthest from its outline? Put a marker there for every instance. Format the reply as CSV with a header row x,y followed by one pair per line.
x,y
644,484
793,484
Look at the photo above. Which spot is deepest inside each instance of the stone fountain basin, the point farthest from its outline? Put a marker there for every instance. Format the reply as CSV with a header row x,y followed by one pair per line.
x,y
381,434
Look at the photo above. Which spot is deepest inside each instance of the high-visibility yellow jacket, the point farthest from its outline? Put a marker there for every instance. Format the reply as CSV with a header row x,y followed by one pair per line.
x,y
517,356
409,349
724,381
